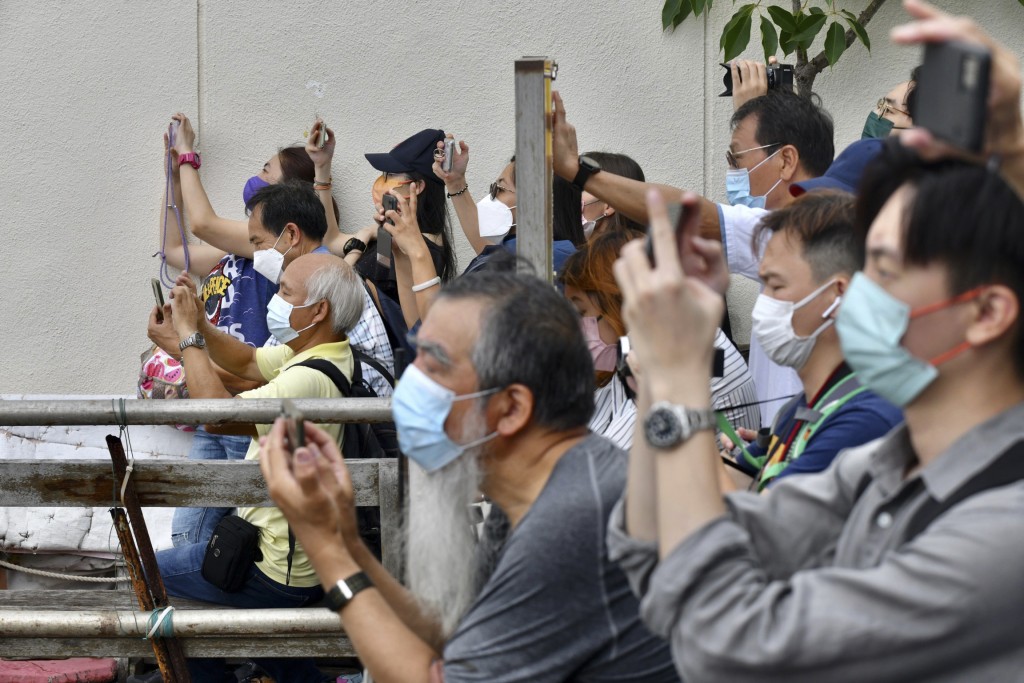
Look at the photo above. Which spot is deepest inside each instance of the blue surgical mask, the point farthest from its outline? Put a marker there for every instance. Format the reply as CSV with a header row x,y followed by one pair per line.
x,y
252,186
737,186
871,324
420,407
279,319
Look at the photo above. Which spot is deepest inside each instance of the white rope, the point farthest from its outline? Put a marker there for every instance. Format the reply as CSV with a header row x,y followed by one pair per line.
x,y
68,577
163,615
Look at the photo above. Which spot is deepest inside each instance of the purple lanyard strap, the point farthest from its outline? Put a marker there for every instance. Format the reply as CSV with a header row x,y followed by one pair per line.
x,y
165,276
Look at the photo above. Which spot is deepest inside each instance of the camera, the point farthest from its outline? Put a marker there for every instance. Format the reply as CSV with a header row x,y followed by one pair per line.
x,y
779,76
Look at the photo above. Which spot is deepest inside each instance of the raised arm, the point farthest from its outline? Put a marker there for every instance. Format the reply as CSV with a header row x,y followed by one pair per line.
x,y
222,233
414,267
622,194
335,239
458,191
202,257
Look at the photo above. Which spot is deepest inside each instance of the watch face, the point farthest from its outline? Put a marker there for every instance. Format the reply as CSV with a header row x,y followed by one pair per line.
x,y
200,339
589,163
662,428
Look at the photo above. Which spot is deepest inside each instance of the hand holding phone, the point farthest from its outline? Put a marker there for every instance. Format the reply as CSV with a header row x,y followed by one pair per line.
x,y
678,215
295,428
951,97
323,135
158,294
449,155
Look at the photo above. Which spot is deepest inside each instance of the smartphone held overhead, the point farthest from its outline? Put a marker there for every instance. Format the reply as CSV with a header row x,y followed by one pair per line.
x,y
952,93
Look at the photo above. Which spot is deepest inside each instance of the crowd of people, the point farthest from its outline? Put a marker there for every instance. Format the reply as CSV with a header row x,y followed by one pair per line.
x,y
841,509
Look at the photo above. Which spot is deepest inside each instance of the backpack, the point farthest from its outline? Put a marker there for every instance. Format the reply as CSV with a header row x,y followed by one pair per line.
x,y
395,326
360,440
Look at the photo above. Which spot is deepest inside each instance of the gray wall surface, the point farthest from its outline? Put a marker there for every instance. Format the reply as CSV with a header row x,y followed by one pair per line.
x,y
88,89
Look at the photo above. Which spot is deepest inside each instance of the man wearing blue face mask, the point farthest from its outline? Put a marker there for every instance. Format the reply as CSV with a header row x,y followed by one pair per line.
x,y
778,140
497,402
320,300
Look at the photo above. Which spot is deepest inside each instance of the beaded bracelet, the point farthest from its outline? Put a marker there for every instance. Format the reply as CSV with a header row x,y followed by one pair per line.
x,y
456,194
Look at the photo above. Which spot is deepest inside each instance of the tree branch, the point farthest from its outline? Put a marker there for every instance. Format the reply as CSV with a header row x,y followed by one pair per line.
x,y
821,60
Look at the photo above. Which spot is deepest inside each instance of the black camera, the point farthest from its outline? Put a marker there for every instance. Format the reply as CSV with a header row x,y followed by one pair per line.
x,y
779,76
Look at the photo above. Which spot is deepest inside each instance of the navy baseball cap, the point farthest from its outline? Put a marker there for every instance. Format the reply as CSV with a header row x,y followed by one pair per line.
x,y
845,172
414,154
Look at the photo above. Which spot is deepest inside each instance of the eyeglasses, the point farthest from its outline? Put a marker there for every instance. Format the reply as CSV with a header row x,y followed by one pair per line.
x,y
732,158
884,108
496,188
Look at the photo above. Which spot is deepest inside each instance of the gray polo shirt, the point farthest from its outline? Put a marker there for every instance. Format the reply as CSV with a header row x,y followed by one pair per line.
x,y
804,585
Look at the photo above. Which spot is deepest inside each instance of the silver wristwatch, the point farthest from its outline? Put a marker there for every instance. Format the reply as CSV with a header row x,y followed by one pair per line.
x,y
667,425
195,339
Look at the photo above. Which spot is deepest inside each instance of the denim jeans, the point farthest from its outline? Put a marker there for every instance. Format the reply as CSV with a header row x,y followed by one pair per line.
x,y
196,525
181,570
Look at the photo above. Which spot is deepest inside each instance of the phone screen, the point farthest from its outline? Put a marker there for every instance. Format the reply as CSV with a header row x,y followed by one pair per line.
x,y
158,294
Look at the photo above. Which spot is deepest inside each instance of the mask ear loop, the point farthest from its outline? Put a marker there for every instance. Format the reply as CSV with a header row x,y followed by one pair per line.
x,y
832,307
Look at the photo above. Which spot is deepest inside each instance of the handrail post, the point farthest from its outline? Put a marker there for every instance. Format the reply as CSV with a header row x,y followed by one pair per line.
x,y
534,169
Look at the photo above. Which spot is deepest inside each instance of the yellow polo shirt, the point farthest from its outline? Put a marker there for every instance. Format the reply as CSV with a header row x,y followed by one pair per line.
x,y
296,383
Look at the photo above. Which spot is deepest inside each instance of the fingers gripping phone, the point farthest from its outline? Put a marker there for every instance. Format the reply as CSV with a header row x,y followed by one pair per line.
x,y
323,135
390,203
158,294
678,217
952,93
449,155
295,430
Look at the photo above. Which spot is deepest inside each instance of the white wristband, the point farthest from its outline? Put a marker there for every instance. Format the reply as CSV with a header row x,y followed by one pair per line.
x,y
426,285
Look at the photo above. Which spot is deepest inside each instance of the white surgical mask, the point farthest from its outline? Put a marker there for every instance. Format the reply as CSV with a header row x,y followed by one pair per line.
x,y
772,326
588,226
494,218
270,262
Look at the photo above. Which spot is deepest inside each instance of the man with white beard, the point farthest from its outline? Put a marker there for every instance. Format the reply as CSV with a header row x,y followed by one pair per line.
x,y
497,402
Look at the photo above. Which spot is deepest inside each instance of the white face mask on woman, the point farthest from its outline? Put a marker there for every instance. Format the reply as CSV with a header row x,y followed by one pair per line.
x,y
772,325
494,218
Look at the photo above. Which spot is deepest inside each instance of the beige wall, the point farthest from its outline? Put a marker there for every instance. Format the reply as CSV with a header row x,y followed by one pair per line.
x,y
88,88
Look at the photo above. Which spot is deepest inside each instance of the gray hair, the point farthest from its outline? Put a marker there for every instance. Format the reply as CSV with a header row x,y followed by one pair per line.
x,y
337,283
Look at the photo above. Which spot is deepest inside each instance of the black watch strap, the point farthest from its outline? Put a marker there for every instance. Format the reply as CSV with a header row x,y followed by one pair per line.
x,y
587,168
353,244
343,591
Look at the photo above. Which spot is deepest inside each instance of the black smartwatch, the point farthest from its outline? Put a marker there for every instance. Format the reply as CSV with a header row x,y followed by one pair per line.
x,y
588,167
343,591
354,244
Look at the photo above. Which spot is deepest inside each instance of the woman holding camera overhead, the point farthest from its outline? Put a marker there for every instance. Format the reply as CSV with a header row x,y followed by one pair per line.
x,y
591,287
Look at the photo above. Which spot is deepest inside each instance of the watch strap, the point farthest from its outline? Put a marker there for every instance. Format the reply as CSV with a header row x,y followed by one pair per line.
x,y
583,174
195,339
342,592
353,244
191,158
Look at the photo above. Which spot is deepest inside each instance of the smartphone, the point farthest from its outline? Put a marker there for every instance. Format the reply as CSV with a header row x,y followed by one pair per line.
x,y
323,135
449,155
294,426
390,203
677,217
158,294
952,93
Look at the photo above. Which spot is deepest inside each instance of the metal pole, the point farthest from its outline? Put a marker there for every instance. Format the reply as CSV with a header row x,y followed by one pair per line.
x,y
185,623
192,411
533,76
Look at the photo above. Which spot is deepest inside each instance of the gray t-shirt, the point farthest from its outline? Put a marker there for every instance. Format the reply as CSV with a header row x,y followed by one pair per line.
x,y
555,608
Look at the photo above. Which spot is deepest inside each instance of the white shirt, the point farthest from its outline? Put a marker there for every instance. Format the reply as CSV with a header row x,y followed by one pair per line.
x,y
774,382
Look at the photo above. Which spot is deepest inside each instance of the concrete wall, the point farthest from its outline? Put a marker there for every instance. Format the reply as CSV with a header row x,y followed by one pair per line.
x,y
89,87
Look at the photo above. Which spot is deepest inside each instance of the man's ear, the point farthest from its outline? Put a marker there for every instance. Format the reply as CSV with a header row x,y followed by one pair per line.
x,y
293,234
997,311
512,409
322,311
790,163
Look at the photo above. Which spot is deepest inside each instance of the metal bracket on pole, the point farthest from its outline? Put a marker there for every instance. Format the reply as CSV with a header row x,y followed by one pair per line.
x,y
534,171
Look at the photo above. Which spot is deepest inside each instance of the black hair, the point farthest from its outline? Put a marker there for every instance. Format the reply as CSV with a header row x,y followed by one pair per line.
x,y
627,167
785,118
567,209
296,165
822,222
961,215
530,335
433,218
292,201
911,99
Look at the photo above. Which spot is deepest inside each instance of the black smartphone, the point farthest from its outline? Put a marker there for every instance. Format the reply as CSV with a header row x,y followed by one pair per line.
x,y
952,93
449,155
294,426
390,203
158,294
677,217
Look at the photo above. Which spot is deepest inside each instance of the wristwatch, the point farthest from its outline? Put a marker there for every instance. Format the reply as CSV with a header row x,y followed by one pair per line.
x,y
668,424
191,158
588,167
354,244
343,591
195,339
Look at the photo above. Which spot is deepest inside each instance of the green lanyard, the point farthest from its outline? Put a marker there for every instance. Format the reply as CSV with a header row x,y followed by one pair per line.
x,y
726,428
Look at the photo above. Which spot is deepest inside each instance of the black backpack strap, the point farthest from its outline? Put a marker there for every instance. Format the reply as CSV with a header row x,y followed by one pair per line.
x,y
333,372
1007,469
361,357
